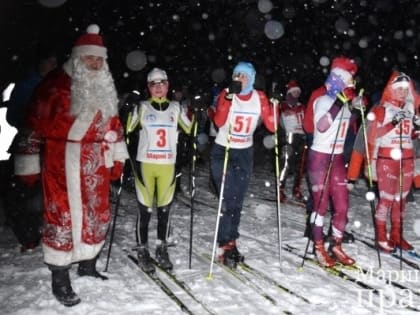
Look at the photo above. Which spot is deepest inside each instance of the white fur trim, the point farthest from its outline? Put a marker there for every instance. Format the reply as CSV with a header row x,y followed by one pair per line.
x,y
120,152
403,84
61,258
72,171
56,257
79,129
295,88
93,29
93,50
27,164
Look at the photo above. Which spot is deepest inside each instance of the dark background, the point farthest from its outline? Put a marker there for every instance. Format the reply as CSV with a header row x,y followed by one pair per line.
x,y
176,35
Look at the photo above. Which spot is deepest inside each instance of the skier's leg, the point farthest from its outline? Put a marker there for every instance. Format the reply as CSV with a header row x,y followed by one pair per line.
x,y
340,199
388,188
398,208
240,183
145,191
318,172
165,190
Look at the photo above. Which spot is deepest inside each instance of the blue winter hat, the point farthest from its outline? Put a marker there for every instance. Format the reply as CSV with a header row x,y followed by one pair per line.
x,y
248,69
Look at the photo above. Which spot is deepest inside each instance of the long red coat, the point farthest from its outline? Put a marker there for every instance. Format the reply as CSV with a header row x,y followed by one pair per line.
x,y
75,161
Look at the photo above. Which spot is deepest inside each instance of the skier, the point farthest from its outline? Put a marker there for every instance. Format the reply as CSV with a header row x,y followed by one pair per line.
x,y
74,125
293,139
308,126
158,119
326,169
238,110
390,141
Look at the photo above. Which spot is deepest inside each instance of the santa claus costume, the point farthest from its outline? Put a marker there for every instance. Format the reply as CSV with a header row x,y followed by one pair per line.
x,y
74,116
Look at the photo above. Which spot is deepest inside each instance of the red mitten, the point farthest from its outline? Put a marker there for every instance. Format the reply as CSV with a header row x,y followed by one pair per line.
x,y
116,170
29,180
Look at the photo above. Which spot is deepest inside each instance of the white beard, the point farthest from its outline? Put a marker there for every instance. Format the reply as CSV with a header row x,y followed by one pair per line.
x,y
92,91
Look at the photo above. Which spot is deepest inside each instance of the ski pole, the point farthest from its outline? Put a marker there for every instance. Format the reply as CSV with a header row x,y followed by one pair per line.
x,y
192,186
401,196
277,171
369,196
114,220
219,209
325,180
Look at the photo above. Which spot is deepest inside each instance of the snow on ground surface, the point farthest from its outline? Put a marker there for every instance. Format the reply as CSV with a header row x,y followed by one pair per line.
x,y
278,289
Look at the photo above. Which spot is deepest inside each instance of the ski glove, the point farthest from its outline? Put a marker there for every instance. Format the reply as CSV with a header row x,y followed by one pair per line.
x,y
274,101
398,117
358,103
235,87
416,122
116,170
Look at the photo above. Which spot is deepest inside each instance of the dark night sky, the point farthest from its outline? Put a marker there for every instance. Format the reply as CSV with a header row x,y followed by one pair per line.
x,y
190,39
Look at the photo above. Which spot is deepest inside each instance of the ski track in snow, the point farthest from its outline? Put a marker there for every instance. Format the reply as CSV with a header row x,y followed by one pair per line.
x,y
25,280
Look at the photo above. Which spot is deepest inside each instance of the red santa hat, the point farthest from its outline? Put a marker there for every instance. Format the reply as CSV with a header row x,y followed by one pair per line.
x,y
344,67
292,86
90,43
402,80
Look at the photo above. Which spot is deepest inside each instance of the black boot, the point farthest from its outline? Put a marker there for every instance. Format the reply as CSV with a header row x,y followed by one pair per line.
x,y
88,268
227,255
61,286
145,262
237,256
162,256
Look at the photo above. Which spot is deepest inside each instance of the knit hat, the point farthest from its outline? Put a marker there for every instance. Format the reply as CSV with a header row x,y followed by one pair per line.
x,y
90,43
157,75
292,86
344,67
248,69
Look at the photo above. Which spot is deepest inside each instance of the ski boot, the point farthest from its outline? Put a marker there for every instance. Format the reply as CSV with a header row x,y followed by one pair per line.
x,y
348,237
282,195
397,240
382,242
297,194
88,268
226,255
61,286
237,256
145,262
162,256
338,254
322,256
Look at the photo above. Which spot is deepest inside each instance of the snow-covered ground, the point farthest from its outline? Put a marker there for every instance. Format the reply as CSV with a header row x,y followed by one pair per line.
x,y
25,281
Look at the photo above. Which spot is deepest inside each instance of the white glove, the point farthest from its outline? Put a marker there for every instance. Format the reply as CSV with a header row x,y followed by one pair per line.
x,y
357,103
416,121
274,101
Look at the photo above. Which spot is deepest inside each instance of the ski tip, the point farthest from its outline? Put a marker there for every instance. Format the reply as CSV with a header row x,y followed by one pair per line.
x,y
300,269
209,277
